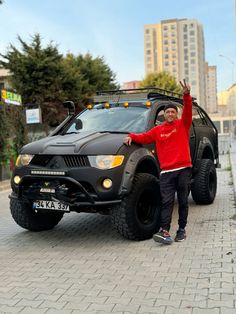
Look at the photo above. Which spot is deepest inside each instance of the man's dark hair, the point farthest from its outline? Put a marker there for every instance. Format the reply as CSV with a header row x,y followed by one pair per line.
x,y
170,105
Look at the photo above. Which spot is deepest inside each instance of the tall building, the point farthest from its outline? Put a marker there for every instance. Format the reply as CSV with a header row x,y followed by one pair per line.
x,y
211,89
177,46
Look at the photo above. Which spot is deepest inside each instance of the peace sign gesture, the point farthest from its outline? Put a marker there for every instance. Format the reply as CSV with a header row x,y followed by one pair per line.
x,y
185,87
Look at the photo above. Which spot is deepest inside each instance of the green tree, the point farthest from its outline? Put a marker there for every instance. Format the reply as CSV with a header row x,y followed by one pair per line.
x,y
162,80
37,73
44,77
4,134
84,75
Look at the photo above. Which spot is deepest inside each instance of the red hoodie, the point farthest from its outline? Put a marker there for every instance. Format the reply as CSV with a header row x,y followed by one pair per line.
x,y
172,139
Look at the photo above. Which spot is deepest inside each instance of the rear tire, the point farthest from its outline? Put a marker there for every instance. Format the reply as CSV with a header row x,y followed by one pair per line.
x,y
137,217
204,186
27,218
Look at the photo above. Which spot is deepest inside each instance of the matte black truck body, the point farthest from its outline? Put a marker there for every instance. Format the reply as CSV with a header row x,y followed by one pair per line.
x,y
84,166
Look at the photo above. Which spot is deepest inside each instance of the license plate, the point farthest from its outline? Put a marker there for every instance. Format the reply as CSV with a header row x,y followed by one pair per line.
x,y
52,205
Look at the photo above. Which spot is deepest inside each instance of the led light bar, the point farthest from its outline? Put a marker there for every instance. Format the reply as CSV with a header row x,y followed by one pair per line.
x,y
48,173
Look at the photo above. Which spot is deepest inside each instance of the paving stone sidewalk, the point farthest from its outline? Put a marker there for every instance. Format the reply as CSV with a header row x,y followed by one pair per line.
x,y
84,266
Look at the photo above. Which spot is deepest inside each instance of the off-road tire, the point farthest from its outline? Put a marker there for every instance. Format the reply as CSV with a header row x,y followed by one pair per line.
x,y
27,218
137,217
204,186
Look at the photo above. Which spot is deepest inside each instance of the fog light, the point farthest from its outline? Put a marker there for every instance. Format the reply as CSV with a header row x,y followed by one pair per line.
x,y
17,179
107,183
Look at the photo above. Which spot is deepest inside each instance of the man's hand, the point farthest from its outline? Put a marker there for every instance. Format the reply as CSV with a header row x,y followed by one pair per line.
x,y
185,87
127,140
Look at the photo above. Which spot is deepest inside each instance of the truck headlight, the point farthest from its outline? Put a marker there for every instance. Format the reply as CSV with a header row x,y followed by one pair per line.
x,y
106,161
23,160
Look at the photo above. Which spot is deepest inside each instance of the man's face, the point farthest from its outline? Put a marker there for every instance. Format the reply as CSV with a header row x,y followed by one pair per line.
x,y
170,115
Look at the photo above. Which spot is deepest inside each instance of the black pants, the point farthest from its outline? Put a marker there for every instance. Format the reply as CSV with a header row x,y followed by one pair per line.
x,y
171,182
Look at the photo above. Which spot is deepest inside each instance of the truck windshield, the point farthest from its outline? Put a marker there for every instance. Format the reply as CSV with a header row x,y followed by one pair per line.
x,y
115,119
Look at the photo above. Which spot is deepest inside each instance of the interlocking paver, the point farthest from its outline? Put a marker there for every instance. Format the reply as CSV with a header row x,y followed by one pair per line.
x,y
84,266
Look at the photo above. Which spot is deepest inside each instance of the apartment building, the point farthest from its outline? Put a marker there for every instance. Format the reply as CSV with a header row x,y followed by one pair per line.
x,y
177,46
211,89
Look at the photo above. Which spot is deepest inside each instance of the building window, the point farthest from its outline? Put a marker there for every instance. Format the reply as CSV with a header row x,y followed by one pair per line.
x,y
191,33
148,52
147,31
165,42
193,54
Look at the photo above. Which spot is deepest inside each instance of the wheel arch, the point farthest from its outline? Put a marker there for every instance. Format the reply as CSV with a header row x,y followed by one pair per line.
x,y
140,161
205,151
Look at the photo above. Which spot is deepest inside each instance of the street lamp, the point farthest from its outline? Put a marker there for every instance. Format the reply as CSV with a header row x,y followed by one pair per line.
x,y
231,100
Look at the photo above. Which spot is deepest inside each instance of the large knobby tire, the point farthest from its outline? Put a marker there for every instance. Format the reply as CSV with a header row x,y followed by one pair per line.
x,y
27,218
204,186
137,217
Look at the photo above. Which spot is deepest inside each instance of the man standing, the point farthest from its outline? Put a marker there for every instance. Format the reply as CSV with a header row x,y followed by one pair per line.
x,y
172,146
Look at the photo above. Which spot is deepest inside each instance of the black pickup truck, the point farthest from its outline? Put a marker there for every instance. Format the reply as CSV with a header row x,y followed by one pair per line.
x,y
83,166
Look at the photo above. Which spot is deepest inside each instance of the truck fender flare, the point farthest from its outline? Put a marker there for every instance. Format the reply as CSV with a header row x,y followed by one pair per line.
x,y
130,168
205,143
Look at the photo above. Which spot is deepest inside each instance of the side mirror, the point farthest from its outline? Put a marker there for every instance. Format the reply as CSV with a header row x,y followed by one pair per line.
x,y
78,124
70,106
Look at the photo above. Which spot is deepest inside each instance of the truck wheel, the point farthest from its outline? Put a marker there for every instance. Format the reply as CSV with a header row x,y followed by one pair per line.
x,y
204,186
137,217
27,218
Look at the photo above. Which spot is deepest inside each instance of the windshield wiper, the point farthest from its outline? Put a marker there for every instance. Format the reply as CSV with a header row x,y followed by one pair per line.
x,y
114,132
70,133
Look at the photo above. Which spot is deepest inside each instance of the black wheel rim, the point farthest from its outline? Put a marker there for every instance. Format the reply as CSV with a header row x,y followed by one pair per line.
x,y
146,207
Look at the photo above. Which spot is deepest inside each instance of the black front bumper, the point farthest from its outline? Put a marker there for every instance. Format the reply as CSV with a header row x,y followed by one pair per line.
x,y
65,189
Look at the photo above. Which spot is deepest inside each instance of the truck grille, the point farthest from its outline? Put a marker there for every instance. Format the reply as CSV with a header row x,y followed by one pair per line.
x,y
41,160
71,161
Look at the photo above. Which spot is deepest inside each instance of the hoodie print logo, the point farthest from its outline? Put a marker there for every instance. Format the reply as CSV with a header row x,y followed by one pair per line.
x,y
168,134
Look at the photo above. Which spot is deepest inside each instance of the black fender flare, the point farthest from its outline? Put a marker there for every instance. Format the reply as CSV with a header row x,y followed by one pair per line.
x,y
205,143
132,163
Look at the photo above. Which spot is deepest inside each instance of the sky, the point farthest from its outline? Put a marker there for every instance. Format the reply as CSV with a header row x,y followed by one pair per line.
x,y
114,29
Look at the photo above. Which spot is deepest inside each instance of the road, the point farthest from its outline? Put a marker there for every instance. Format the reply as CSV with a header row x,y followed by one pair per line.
x,y
84,266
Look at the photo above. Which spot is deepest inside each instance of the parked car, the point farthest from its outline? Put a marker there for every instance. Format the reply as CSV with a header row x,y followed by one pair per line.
x,y
83,166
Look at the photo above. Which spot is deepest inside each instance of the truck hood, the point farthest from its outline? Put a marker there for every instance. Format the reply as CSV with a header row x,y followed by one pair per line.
x,y
84,143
